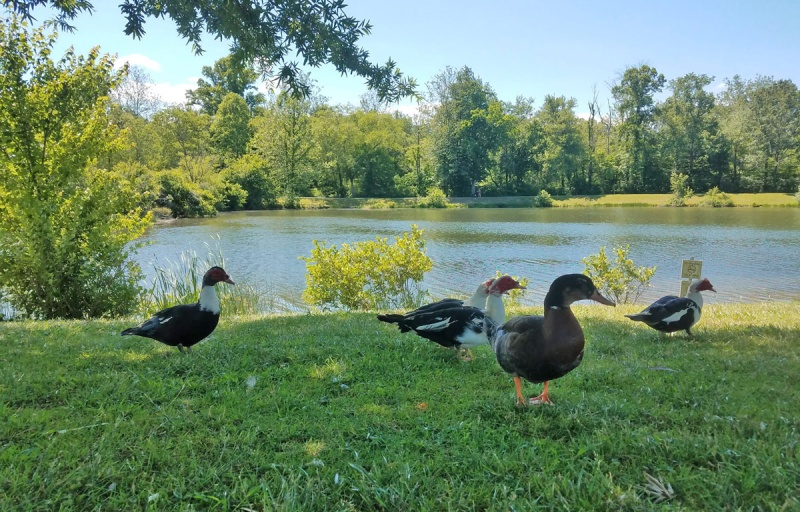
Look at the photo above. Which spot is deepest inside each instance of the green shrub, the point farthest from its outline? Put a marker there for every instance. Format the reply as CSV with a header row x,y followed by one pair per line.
x,y
622,281
250,173
67,227
679,188
179,282
543,200
367,275
717,199
230,197
436,198
184,198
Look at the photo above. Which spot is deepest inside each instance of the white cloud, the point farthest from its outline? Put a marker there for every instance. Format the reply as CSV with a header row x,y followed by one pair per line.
x,y
174,93
137,59
719,87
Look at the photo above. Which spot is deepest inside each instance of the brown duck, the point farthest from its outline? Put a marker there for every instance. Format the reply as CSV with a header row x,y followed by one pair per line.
x,y
544,348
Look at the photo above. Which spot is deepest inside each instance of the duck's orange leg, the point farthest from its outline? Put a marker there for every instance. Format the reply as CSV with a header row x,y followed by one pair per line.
x,y
543,398
520,399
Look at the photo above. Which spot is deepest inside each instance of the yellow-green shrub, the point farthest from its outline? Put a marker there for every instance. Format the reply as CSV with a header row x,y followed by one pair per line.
x,y
621,281
367,275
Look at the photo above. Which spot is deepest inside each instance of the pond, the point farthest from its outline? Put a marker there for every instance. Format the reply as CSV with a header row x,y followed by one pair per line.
x,y
749,254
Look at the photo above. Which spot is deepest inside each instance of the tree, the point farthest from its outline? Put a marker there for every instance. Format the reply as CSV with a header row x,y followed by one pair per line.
x,y
230,130
263,31
336,135
380,151
185,141
465,129
283,137
563,146
690,128
225,77
634,101
135,93
65,224
775,117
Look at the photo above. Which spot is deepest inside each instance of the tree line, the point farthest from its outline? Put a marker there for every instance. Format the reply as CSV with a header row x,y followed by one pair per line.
x,y
229,147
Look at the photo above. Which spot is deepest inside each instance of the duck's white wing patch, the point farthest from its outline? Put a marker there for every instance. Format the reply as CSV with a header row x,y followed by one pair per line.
x,y
162,320
436,326
676,316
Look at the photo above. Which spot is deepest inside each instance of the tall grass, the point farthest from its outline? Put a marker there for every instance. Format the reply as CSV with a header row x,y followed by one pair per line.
x,y
179,282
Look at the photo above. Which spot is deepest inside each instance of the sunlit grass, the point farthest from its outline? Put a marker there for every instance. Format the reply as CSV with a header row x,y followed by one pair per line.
x,y
763,199
342,412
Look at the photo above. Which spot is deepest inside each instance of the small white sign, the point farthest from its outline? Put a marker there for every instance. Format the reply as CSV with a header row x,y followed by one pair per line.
x,y
692,269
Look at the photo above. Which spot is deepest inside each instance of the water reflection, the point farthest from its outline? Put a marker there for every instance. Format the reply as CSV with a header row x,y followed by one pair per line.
x,y
750,254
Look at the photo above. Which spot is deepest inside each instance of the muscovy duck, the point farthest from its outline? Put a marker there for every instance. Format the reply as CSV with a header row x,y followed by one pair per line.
x,y
454,325
186,324
477,300
671,313
544,348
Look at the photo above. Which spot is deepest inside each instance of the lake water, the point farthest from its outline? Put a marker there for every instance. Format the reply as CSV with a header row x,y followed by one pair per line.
x,y
749,254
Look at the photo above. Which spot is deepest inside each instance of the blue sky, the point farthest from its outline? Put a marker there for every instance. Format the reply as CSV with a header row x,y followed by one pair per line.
x,y
520,47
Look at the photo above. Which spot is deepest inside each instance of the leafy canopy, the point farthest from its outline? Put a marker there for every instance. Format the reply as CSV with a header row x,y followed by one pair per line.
x,y
261,31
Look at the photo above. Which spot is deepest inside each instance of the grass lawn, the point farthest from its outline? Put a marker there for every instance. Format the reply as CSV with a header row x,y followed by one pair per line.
x,y
341,412
765,199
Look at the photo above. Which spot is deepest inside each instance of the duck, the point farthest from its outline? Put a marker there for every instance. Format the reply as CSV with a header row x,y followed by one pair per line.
x,y
185,325
477,300
457,325
670,313
544,348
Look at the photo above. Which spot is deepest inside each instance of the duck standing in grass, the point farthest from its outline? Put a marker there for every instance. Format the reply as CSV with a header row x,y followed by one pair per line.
x,y
671,313
186,324
452,324
544,348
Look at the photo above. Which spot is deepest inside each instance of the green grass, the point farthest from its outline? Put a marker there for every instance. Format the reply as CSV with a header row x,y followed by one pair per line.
x,y
341,412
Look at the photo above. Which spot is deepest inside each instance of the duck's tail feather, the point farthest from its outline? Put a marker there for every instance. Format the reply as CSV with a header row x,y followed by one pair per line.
x,y
395,319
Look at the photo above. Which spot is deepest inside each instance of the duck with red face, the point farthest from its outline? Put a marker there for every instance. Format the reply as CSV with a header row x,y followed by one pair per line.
x,y
186,324
671,313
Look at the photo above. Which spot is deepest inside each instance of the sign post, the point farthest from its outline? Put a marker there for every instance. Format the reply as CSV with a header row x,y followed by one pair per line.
x,y
691,269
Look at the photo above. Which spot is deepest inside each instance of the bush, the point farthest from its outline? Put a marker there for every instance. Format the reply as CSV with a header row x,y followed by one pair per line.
x,y
435,199
367,275
622,281
184,198
231,197
717,199
250,173
66,226
680,190
543,200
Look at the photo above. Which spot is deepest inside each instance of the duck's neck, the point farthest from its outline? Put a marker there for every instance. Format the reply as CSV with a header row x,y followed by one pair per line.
x,y
495,308
208,299
478,298
554,302
697,297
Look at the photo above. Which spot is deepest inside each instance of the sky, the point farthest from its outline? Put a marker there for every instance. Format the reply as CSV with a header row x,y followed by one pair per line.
x,y
528,48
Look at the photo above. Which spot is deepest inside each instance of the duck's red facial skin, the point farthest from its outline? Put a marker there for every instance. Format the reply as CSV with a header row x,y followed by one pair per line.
x,y
219,275
705,285
504,284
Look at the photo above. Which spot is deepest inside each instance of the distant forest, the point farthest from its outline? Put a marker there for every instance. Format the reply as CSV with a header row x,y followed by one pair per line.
x,y
229,147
